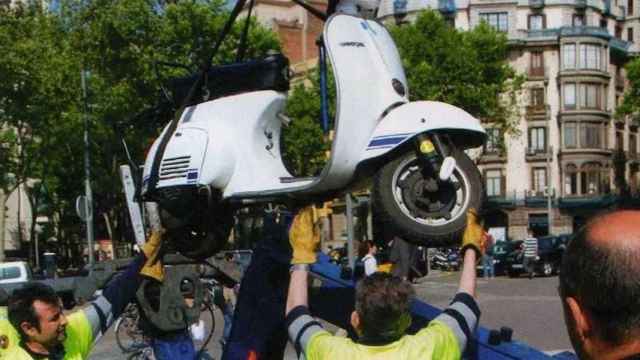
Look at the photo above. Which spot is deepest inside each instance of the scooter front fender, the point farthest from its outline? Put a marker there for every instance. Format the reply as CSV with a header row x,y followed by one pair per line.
x,y
408,120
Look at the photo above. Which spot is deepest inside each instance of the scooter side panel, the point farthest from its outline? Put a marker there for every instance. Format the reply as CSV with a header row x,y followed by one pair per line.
x,y
408,120
365,61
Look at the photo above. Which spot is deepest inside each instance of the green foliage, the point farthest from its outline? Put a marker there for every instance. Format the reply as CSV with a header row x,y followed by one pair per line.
x,y
631,101
468,69
117,42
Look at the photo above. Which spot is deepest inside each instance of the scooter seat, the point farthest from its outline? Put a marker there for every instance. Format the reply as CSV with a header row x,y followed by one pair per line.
x,y
269,73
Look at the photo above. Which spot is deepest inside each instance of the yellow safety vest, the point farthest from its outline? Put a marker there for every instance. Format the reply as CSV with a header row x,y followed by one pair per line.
x,y
77,345
436,341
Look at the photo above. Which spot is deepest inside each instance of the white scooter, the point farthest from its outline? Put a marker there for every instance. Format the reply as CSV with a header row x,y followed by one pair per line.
x,y
222,150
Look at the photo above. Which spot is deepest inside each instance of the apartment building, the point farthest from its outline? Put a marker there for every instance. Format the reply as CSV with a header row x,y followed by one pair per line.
x,y
560,169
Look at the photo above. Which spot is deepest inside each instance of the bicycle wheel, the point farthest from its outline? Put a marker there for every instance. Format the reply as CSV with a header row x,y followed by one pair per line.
x,y
128,336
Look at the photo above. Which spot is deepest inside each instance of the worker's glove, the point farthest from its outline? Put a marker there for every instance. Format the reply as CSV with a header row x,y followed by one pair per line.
x,y
474,236
153,267
304,236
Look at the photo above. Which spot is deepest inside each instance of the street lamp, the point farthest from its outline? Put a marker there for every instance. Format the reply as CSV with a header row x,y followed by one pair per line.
x,y
549,190
88,203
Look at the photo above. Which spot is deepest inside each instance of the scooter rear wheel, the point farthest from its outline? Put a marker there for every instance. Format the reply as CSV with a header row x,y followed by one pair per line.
x,y
422,209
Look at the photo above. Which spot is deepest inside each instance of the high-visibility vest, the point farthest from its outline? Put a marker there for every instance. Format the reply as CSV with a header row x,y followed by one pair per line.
x,y
77,344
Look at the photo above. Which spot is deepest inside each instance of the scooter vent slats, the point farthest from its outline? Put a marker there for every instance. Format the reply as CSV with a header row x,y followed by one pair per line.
x,y
173,168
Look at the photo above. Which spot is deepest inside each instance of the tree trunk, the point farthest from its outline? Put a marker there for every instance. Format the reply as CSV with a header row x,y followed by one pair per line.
x,y
3,200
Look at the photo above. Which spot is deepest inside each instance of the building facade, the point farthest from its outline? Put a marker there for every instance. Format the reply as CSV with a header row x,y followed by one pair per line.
x,y
561,168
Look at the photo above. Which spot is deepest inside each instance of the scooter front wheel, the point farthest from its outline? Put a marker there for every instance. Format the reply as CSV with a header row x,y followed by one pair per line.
x,y
423,209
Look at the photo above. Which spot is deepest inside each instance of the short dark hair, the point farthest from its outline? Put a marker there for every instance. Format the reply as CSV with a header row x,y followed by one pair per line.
x,y
364,247
605,280
382,301
20,307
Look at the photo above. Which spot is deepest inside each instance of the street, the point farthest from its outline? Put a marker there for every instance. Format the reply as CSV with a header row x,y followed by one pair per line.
x,y
531,308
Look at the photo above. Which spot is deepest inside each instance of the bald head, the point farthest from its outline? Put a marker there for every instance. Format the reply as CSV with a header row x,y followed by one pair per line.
x,y
600,269
616,230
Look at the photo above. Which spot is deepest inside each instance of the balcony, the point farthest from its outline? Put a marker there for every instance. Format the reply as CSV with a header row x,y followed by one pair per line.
x,y
492,156
534,198
538,73
538,112
536,154
596,201
536,4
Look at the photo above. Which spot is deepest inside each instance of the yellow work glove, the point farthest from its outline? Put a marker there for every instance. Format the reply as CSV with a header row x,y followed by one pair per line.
x,y
304,236
474,235
153,267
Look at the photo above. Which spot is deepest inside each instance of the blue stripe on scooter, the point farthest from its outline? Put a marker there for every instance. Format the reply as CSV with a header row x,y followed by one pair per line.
x,y
387,141
393,135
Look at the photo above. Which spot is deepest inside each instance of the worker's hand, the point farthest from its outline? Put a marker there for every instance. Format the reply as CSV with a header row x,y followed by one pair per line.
x,y
304,236
474,236
153,263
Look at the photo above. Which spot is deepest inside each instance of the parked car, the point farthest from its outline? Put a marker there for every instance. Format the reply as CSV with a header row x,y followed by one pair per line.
x,y
501,250
550,250
14,274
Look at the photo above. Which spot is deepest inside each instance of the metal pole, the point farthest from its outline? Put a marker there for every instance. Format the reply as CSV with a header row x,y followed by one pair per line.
x,y
350,254
549,190
87,170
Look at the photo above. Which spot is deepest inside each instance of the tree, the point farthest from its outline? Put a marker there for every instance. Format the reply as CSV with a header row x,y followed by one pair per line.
x,y
44,53
468,69
631,101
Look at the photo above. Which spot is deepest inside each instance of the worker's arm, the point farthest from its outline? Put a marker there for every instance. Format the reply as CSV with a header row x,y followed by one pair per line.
x,y
462,315
304,240
121,290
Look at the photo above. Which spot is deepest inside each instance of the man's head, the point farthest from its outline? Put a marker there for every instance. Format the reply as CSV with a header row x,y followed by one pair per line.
x,y
35,311
600,284
382,307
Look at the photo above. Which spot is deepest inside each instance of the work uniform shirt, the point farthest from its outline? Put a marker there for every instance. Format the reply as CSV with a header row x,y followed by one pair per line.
x,y
444,338
83,328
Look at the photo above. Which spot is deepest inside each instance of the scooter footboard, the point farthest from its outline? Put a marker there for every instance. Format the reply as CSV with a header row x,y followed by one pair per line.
x,y
408,120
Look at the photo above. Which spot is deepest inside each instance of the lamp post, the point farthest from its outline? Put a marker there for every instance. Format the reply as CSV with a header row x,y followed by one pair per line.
x,y
549,190
88,204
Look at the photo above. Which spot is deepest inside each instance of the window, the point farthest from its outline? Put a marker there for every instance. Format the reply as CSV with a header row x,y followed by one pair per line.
x,y
539,179
537,22
570,137
498,21
494,182
603,23
569,96
571,180
633,147
537,97
569,56
630,7
619,140
630,34
578,20
537,139
618,32
589,56
593,179
591,135
537,63
590,96
12,272
494,141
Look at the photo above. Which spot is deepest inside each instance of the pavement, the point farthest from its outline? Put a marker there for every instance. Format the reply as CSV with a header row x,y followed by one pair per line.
x,y
531,308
